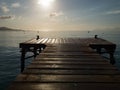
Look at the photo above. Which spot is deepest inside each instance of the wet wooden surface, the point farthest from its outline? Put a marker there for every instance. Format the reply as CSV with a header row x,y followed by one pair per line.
x,y
68,64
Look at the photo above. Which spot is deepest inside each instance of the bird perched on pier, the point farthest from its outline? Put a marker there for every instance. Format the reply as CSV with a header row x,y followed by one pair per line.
x,y
37,37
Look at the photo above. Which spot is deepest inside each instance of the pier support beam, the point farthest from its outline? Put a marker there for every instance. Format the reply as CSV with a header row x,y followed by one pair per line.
x,y
110,49
22,59
112,59
27,47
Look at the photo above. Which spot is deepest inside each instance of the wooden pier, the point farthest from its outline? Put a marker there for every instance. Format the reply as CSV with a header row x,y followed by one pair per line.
x,y
68,64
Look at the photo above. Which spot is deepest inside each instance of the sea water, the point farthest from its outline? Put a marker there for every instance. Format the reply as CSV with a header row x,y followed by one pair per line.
x,y
10,52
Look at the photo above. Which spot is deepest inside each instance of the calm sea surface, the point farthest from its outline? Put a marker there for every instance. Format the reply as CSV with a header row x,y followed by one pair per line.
x,y
10,55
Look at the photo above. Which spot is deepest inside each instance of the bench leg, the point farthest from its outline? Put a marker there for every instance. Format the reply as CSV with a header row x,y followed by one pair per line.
x,y
112,59
22,60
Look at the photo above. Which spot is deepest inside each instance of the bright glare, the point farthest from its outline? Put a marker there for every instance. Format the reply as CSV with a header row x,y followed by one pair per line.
x,y
45,3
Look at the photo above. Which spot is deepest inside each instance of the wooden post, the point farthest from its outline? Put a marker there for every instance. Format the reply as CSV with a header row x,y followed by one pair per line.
x,y
112,59
35,52
111,51
22,59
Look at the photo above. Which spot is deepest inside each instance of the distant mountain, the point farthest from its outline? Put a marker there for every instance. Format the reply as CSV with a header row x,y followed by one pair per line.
x,y
9,29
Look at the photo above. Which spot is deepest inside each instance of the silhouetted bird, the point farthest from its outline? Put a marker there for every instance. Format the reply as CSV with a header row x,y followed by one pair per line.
x,y
37,37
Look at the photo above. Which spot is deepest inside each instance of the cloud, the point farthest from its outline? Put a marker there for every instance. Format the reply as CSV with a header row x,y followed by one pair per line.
x,y
114,12
4,8
15,5
6,17
56,14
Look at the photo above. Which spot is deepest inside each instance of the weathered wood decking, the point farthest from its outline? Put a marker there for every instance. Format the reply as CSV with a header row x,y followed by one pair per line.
x,y
68,64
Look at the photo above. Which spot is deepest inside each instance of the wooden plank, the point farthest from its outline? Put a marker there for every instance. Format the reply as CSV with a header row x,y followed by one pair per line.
x,y
56,40
70,63
83,41
40,40
97,59
70,67
49,71
45,40
65,86
68,50
68,78
68,56
49,41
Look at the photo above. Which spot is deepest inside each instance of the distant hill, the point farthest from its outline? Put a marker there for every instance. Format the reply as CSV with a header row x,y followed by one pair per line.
x,y
9,29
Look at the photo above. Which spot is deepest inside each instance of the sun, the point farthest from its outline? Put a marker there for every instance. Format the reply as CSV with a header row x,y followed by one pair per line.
x,y
45,3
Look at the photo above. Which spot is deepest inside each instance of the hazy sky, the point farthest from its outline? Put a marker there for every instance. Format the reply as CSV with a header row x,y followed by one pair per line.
x,y
60,14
